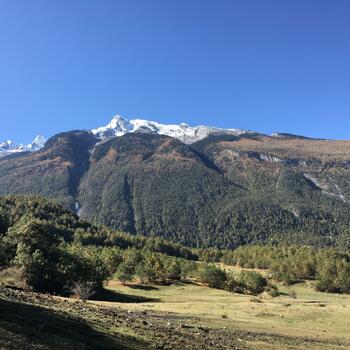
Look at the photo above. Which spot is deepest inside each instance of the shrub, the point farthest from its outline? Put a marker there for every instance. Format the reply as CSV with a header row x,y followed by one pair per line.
x,y
174,270
213,276
232,285
272,291
252,281
83,290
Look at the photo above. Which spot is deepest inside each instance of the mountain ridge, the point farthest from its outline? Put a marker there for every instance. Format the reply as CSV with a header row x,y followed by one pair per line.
x,y
119,126
221,191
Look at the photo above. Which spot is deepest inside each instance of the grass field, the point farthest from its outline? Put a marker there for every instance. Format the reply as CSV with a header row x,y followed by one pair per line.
x,y
299,312
179,316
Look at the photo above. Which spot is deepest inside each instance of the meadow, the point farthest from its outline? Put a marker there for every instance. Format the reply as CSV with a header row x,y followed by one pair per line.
x,y
299,312
180,315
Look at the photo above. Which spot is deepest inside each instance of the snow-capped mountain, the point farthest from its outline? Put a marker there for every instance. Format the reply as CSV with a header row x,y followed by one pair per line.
x,y
120,126
9,147
37,143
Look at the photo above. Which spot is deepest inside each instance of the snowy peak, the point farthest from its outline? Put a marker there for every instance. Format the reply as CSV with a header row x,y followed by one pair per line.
x,y
120,126
6,145
9,147
37,143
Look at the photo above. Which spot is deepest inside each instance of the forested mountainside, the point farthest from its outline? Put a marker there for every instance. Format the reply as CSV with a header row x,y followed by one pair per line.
x,y
54,171
222,191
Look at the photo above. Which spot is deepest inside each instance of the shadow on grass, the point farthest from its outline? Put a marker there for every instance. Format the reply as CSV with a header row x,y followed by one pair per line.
x,y
185,281
25,326
112,296
142,287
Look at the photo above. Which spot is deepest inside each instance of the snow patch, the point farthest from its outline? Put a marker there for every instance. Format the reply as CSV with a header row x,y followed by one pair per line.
x,y
9,147
120,126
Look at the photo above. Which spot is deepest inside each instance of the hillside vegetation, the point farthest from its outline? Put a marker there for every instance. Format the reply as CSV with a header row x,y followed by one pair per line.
x,y
223,191
47,248
112,290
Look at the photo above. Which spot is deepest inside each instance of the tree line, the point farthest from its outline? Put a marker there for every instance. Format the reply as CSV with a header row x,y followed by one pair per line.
x,y
52,250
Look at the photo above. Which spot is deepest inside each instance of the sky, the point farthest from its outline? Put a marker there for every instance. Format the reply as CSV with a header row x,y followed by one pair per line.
x,y
271,65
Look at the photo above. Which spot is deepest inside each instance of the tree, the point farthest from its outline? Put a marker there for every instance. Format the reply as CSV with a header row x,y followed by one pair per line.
x,y
343,276
4,221
146,273
232,285
38,252
125,272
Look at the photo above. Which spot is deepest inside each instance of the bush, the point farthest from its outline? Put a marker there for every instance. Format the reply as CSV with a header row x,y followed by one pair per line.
x,y
213,276
83,290
252,281
174,270
334,276
146,273
272,291
232,285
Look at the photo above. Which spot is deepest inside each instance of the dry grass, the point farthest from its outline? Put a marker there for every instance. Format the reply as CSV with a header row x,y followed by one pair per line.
x,y
13,277
311,314
293,148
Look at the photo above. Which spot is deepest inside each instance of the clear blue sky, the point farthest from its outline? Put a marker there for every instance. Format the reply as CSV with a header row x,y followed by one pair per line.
x,y
255,64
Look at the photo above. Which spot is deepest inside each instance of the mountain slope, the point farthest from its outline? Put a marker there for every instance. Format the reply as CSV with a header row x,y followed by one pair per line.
x,y
306,177
153,185
323,164
54,171
224,190
208,196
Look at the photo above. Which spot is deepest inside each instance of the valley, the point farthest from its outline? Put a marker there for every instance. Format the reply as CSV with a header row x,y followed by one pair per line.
x,y
122,239
174,175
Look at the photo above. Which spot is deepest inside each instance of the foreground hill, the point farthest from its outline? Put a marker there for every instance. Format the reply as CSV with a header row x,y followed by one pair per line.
x,y
223,191
147,293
